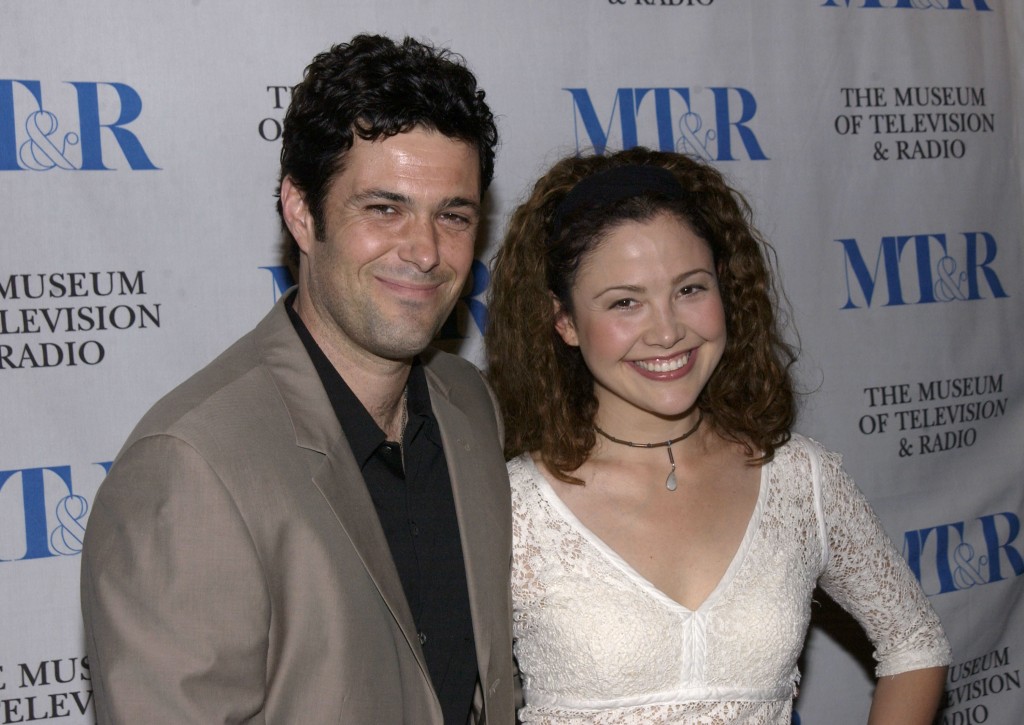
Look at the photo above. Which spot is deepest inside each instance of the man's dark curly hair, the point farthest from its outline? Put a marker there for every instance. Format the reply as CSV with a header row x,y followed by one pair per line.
x,y
544,388
374,88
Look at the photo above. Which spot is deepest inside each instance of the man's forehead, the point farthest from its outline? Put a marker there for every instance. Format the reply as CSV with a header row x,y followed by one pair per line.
x,y
416,157
421,132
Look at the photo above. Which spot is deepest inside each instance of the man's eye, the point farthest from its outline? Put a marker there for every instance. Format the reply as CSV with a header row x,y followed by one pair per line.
x,y
457,221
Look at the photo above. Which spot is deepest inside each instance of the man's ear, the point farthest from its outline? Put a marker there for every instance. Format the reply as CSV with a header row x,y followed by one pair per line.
x,y
296,214
564,324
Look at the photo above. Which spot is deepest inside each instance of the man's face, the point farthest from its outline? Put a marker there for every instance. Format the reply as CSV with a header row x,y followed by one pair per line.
x,y
401,222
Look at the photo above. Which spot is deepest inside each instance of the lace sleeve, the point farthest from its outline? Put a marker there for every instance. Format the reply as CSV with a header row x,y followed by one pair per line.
x,y
867,576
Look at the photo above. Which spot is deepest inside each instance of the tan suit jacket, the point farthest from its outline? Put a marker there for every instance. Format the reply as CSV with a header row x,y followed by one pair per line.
x,y
234,568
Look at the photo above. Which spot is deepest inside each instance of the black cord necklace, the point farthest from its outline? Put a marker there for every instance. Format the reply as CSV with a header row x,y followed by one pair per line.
x,y
670,482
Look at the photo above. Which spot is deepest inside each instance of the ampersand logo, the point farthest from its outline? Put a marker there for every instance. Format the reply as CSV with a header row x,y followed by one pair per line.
x,y
41,152
691,141
950,288
66,538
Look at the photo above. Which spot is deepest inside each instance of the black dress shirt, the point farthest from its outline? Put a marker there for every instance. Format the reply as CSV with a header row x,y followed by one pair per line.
x,y
417,512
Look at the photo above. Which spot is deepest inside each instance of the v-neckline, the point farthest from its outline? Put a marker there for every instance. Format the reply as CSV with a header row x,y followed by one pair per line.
x,y
753,524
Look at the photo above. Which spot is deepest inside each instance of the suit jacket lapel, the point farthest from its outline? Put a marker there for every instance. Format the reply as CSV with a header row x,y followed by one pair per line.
x,y
480,519
333,468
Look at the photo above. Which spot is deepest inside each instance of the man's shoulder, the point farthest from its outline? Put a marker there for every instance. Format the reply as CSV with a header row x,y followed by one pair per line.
x,y
226,387
463,384
457,375
445,364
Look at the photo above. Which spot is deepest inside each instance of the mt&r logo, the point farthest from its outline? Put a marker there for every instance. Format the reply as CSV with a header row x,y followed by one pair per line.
x,y
41,515
981,5
964,554
916,269
33,138
713,123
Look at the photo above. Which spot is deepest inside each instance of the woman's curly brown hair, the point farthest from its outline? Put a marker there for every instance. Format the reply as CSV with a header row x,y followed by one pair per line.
x,y
543,385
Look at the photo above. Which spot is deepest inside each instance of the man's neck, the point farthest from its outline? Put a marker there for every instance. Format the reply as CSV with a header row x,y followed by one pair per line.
x,y
377,382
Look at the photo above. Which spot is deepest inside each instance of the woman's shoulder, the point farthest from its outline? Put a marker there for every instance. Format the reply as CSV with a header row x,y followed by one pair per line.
x,y
523,477
520,468
803,451
801,467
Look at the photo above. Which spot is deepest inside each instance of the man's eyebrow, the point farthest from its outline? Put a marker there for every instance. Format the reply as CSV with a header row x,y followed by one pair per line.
x,y
459,201
451,202
380,195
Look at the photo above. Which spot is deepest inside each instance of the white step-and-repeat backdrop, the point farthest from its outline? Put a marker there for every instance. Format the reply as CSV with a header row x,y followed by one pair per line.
x,y
879,142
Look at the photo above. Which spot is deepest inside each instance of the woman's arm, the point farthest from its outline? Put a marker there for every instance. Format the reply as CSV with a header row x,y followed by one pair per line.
x,y
909,698
868,577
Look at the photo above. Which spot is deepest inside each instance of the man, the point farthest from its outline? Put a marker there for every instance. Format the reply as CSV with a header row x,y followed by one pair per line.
x,y
316,528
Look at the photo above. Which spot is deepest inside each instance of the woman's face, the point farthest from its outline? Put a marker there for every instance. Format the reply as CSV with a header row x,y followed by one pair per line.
x,y
648,319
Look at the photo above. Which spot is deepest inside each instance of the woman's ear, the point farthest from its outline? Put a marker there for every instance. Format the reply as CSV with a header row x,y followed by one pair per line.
x,y
564,324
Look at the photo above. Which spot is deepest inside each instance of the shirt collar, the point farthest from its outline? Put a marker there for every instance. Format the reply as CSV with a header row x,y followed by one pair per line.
x,y
361,430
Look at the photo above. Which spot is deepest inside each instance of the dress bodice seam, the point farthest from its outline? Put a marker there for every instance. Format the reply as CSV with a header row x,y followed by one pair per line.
x,y
541,698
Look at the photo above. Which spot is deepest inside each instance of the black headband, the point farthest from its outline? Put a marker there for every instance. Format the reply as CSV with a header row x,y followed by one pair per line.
x,y
612,185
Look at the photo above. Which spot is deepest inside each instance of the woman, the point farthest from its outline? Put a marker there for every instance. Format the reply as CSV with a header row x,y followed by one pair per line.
x,y
669,529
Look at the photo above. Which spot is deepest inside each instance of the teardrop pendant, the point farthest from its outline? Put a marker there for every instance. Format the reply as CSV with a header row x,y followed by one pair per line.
x,y
670,483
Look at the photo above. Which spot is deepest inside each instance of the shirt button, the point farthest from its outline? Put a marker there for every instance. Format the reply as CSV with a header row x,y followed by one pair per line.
x,y
414,529
423,638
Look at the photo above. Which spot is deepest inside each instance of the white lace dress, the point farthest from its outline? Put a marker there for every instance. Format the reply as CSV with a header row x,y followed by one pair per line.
x,y
598,643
